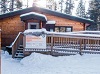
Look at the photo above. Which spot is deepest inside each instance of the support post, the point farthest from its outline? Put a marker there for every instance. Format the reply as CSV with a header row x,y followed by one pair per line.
x,y
85,44
52,44
24,44
80,47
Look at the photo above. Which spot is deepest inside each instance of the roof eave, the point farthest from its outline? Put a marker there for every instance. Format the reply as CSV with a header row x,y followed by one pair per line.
x,y
38,9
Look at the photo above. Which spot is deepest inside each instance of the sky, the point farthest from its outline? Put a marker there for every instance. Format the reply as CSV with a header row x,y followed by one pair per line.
x,y
42,3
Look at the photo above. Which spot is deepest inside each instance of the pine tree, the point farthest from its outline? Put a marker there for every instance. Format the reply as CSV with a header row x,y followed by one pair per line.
x,y
61,5
18,4
55,6
9,5
34,2
69,6
81,9
3,6
94,11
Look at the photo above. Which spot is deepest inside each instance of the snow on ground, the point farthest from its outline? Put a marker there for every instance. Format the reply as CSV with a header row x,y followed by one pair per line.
x,y
45,64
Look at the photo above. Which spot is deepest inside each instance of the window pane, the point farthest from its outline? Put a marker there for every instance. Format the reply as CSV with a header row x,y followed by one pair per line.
x,y
62,29
56,29
68,29
32,26
51,30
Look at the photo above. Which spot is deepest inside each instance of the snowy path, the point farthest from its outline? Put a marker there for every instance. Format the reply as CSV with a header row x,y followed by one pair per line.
x,y
45,64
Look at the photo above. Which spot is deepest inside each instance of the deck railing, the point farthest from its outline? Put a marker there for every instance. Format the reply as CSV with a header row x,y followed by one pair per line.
x,y
73,43
63,44
18,41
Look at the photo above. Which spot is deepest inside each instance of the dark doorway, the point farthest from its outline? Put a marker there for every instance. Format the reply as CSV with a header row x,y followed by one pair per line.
x,y
50,27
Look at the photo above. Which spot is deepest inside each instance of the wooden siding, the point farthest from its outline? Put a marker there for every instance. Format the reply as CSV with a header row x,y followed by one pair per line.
x,y
13,25
77,26
10,28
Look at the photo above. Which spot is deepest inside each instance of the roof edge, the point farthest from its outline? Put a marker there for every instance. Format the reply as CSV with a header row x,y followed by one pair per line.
x,y
48,11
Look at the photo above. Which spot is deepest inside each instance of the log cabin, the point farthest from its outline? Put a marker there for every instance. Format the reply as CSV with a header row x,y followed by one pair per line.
x,y
36,18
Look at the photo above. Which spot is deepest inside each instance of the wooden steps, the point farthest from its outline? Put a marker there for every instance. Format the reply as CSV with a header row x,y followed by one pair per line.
x,y
19,53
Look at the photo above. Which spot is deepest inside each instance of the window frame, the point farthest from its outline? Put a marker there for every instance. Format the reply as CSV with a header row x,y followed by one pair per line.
x,y
65,28
31,23
69,27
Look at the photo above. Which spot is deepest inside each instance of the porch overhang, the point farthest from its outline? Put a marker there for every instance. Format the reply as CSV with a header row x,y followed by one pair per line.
x,y
33,15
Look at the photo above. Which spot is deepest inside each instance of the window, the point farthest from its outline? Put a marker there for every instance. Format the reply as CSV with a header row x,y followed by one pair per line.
x,y
33,25
68,29
57,29
63,28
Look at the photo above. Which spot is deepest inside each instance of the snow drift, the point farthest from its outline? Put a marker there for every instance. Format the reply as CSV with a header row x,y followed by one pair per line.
x,y
45,64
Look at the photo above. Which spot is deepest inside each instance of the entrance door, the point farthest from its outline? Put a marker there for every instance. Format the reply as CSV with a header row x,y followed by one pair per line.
x,y
33,25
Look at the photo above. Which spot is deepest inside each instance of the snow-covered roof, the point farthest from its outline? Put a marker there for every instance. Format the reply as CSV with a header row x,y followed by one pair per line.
x,y
33,15
51,22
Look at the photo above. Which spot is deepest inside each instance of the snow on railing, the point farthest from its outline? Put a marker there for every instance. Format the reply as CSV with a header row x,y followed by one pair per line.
x,y
80,34
74,42
69,42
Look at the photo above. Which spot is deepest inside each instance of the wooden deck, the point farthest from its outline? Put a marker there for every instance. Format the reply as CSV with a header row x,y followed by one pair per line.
x,y
63,44
74,43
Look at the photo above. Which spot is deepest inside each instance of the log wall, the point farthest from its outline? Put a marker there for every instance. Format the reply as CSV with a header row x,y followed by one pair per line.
x,y
13,25
77,26
10,28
